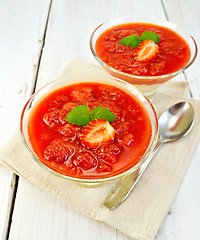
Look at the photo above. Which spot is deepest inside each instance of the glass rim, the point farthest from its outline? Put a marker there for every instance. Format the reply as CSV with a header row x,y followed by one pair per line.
x,y
145,20
100,179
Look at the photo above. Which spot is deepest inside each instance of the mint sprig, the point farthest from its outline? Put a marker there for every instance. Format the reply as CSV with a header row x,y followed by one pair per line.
x,y
131,40
102,113
81,115
135,40
151,36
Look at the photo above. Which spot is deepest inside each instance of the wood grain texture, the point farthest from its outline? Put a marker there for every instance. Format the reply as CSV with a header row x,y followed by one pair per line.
x,y
37,215
184,220
71,24
186,14
69,28
22,25
46,217
7,183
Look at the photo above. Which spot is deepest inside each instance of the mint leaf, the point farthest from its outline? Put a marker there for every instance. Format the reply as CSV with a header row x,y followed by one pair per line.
x,y
102,113
131,40
151,36
80,115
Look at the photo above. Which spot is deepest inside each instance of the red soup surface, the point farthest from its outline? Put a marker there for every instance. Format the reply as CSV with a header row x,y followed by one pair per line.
x,y
57,142
174,52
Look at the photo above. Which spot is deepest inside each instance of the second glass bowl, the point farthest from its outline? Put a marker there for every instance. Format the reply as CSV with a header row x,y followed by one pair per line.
x,y
147,84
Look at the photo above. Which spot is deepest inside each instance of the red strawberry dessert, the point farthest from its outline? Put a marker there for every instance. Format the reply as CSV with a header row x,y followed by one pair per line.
x,y
89,130
143,49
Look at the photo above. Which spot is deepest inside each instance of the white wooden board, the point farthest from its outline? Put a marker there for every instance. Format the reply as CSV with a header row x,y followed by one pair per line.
x,y
186,13
184,220
70,25
22,25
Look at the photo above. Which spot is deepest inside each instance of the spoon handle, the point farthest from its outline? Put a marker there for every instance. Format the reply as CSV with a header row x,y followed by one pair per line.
x,y
124,187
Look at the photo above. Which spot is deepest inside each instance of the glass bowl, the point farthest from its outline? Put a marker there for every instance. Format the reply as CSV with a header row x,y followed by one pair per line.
x,y
33,102
147,84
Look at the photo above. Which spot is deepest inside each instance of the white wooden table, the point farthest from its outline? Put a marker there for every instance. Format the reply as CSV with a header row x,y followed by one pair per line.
x,y
37,39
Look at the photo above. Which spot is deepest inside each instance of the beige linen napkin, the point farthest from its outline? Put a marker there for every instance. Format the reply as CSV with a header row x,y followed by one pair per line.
x,y
142,214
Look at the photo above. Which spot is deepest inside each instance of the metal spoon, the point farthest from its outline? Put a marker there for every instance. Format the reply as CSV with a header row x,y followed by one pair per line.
x,y
174,123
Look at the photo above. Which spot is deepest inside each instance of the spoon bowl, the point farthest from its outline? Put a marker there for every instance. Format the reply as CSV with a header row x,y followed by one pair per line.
x,y
173,124
176,121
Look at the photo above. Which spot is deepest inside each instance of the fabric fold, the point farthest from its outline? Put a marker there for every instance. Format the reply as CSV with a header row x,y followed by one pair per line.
x,y
142,214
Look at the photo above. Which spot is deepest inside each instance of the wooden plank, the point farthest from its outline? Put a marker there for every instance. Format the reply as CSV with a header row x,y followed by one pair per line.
x,y
45,217
186,14
7,185
184,220
22,26
72,23
70,26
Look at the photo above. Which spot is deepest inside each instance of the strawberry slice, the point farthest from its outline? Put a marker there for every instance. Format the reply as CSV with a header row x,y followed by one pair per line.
x,y
97,132
146,51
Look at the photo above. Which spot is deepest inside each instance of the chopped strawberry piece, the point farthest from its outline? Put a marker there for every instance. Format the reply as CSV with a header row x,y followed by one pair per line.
x,y
58,116
71,168
108,152
128,140
69,106
109,158
80,95
113,148
85,160
97,132
156,68
69,130
58,151
92,105
146,51
54,117
108,94
121,126
103,167
58,100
